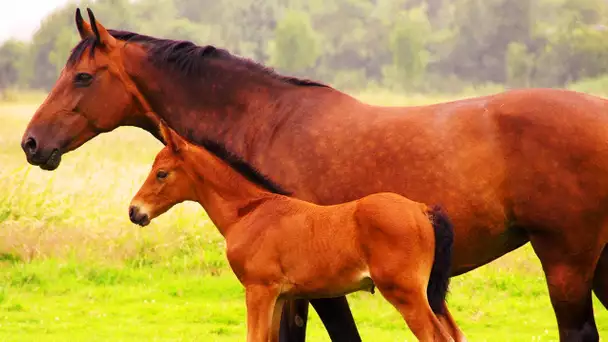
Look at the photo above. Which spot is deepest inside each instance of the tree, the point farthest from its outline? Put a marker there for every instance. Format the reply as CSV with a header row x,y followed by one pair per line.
x,y
65,41
483,30
12,55
519,65
296,45
408,41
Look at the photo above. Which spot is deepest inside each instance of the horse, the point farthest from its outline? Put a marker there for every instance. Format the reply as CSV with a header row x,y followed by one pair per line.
x,y
516,167
382,240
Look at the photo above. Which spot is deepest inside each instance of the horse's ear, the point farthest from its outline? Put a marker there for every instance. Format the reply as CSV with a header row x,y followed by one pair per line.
x,y
170,137
103,36
84,29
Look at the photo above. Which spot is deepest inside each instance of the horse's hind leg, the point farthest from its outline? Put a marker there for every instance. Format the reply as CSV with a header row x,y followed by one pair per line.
x,y
569,265
337,319
600,279
293,321
416,311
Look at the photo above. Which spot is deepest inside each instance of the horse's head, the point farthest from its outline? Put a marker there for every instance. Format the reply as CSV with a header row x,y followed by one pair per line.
x,y
168,183
92,95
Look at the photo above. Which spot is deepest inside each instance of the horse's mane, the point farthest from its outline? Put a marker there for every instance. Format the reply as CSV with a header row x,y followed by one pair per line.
x,y
184,56
189,59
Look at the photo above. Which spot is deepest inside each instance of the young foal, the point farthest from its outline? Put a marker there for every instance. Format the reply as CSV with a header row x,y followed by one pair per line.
x,y
383,240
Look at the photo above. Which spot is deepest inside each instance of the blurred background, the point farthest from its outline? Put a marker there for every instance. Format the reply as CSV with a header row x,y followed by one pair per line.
x,y
74,268
425,46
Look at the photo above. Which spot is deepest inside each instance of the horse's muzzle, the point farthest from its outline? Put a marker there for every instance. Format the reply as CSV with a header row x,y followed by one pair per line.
x,y
46,159
137,217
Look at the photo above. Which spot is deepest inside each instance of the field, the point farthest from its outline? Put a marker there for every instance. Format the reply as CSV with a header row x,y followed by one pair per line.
x,y
73,268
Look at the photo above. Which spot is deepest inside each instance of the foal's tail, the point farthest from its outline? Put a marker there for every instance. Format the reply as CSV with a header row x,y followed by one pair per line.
x,y
440,272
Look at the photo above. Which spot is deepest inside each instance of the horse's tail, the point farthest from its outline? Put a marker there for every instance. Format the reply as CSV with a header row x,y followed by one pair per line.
x,y
440,272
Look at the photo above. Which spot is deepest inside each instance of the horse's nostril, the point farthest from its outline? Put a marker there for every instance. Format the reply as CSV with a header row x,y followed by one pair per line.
x,y
30,145
132,213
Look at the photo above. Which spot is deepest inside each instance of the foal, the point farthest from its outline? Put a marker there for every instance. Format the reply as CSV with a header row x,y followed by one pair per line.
x,y
383,240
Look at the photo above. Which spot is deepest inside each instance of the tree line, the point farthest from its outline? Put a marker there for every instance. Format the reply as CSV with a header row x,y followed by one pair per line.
x,y
412,45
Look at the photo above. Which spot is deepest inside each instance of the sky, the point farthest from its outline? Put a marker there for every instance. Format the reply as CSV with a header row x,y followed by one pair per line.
x,y
20,18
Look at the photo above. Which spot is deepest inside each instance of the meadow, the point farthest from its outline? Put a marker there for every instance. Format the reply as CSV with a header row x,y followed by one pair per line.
x,y
74,268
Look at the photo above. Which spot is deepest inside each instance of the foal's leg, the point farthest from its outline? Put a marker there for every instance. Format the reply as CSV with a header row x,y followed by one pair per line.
x,y
414,306
276,320
402,279
569,265
261,302
600,279
449,323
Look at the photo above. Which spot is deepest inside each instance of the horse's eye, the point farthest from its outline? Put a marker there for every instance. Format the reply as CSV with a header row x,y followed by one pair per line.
x,y
161,174
82,79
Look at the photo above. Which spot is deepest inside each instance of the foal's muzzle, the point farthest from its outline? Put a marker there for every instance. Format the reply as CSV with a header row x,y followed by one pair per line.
x,y
138,217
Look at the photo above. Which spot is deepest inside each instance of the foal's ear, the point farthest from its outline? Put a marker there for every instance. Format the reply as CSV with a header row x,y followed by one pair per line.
x,y
170,137
84,29
103,36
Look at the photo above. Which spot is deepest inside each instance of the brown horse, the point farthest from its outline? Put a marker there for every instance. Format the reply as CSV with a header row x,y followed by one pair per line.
x,y
385,240
525,165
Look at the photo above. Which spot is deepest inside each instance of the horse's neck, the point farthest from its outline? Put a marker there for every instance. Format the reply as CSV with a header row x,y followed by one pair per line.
x,y
242,115
222,191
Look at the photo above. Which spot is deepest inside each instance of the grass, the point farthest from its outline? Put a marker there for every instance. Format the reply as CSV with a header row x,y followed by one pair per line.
x,y
72,266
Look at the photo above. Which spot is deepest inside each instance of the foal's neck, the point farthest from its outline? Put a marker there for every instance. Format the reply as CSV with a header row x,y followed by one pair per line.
x,y
224,193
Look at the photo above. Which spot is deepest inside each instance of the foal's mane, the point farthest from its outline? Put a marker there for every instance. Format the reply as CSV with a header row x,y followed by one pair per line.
x,y
241,166
185,56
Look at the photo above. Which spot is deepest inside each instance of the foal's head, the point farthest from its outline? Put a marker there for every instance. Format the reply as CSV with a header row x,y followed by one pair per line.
x,y
168,183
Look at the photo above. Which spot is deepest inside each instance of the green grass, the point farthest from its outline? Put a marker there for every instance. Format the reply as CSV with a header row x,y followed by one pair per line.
x,y
73,268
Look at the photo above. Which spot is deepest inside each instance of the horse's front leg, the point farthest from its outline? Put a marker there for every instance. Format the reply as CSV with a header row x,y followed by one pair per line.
x,y
261,300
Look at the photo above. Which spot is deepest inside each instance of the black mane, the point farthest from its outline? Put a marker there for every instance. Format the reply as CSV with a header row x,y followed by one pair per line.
x,y
241,166
188,59
183,56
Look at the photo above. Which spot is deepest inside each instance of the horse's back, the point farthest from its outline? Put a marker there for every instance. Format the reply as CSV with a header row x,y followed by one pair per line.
x,y
498,164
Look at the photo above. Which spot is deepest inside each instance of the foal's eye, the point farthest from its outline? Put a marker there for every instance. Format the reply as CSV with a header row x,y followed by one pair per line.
x,y
161,174
82,79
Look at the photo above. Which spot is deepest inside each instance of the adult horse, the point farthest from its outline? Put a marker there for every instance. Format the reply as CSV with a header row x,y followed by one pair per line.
x,y
525,165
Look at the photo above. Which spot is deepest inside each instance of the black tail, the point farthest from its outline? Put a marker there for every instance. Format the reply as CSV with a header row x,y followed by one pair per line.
x,y
439,281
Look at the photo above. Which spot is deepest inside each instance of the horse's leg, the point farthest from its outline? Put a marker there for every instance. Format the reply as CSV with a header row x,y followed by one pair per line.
x,y
337,319
600,279
569,264
450,325
293,321
414,306
261,302
276,320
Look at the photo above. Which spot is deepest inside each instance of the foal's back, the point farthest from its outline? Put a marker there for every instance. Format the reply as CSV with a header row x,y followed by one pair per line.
x,y
323,251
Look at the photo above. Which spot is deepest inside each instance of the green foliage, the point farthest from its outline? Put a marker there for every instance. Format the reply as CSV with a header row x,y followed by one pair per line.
x,y
296,46
66,40
86,301
417,45
408,40
12,56
519,65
